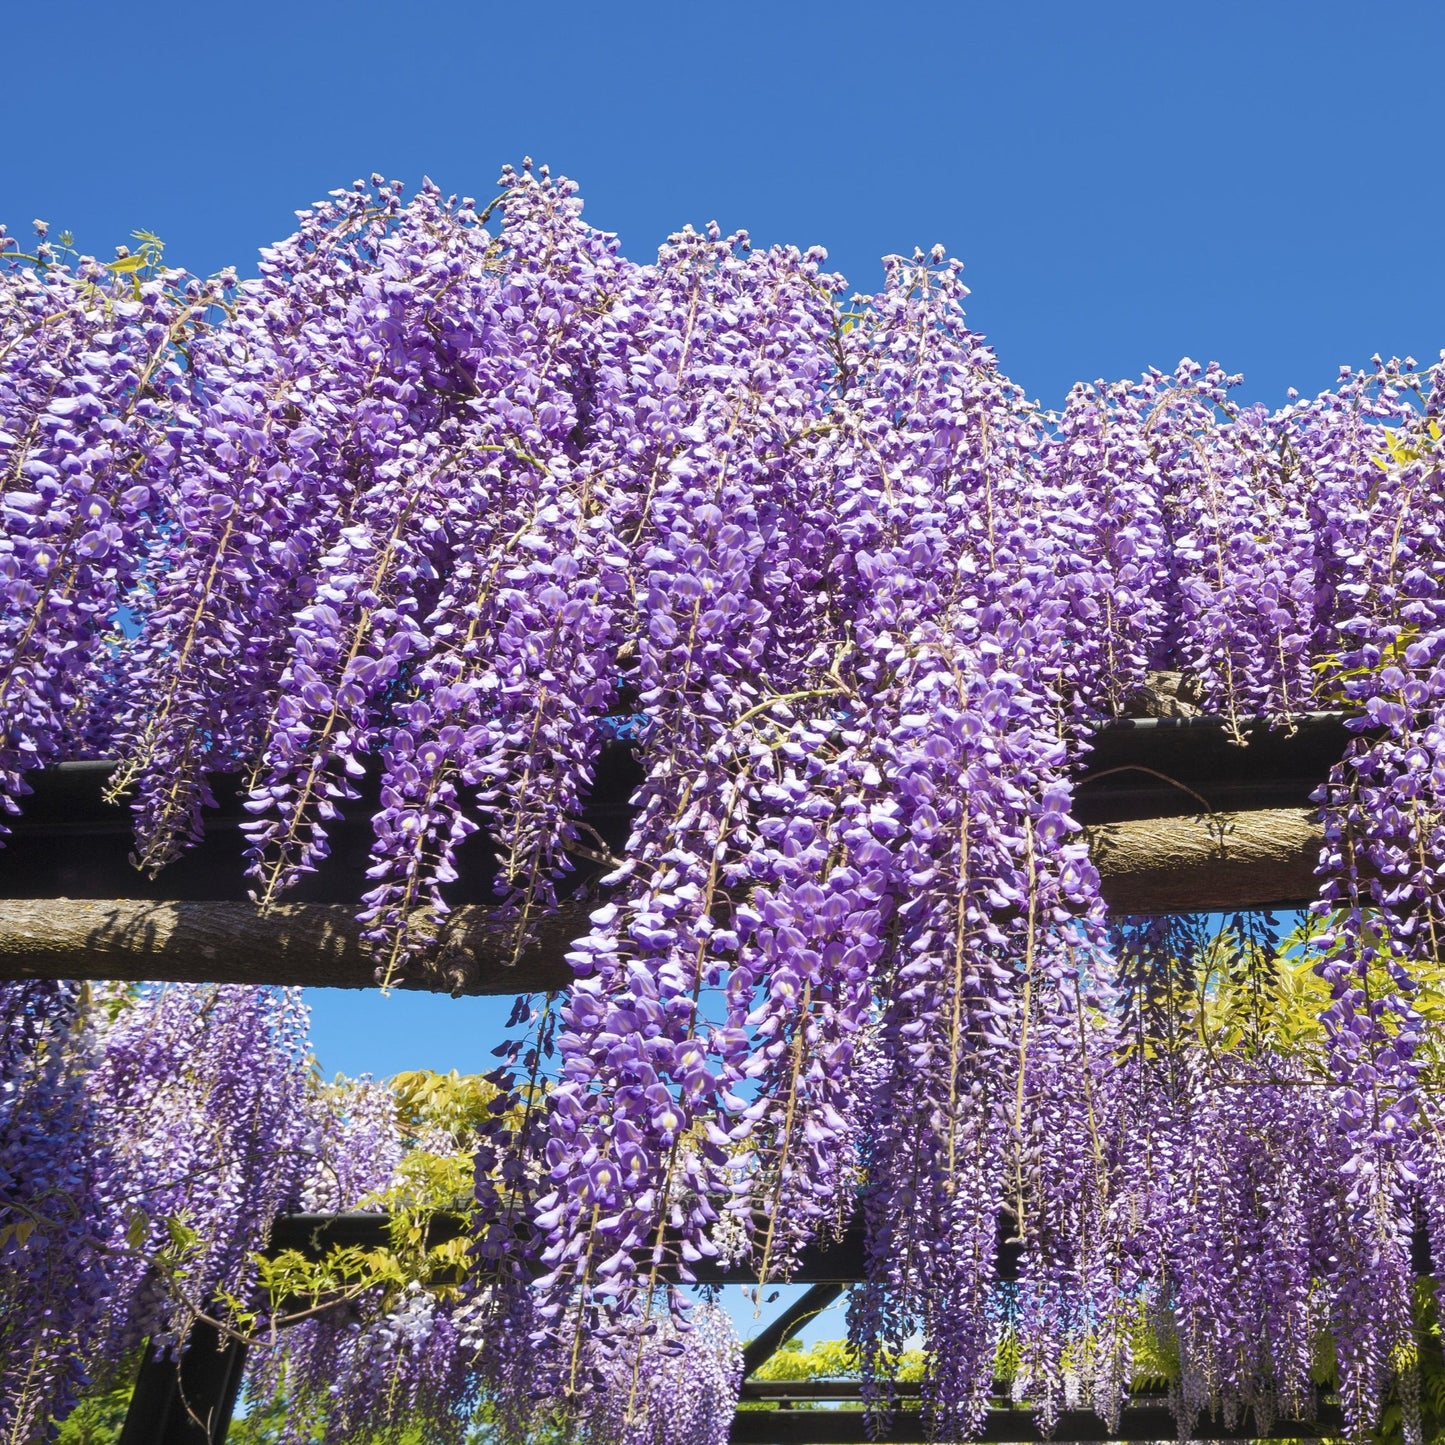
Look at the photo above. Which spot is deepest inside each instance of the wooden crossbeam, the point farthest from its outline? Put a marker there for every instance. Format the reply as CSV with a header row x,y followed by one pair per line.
x,y
1179,819
1215,863
829,1262
207,1378
1145,1421
314,945
777,1391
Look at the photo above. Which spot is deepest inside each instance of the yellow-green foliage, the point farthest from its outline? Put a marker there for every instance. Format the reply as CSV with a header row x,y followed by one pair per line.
x,y
1254,1001
454,1104
828,1360
438,1114
98,1418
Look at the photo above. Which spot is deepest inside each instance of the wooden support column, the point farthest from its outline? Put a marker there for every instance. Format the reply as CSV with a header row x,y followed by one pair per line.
x,y
190,1400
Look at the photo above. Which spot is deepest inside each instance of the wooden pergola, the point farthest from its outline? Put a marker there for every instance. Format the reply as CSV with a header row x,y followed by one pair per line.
x,y
172,1397
1179,819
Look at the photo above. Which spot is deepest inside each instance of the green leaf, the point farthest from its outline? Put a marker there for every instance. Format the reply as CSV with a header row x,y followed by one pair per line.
x,y
182,1236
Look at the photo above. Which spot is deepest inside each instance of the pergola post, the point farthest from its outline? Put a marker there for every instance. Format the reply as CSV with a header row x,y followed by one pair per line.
x,y
186,1399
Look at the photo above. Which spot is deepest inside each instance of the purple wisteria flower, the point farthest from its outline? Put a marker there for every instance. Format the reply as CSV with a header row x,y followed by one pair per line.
x,y
443,489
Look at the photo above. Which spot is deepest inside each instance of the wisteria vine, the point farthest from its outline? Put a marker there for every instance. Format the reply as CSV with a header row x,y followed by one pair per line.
x,y
442,491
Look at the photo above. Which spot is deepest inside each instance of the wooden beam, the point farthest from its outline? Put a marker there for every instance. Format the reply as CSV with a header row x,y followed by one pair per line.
x,y
810,1391
1179,818
1138,1421
317,945
1209,862
834,1262
1206,863
824,1261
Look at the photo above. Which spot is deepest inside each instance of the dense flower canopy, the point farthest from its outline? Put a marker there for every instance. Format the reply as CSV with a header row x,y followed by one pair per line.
x,y
438,497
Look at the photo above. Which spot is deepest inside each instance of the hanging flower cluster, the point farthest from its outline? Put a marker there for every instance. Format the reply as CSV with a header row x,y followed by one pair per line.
x,y
92,379
682,1388
430,494
147,1141
53,1277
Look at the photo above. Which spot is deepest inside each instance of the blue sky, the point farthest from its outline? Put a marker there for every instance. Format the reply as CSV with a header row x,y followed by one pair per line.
x,y
1127,183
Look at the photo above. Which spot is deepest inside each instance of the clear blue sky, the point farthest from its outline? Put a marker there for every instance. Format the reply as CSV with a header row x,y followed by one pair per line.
x,y
1251,182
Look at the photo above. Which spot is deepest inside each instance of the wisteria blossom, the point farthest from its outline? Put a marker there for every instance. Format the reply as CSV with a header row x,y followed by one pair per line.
x,y
447,492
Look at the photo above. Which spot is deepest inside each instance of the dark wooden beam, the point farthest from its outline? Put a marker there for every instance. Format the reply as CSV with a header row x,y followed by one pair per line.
x,y
1153,1421
1179,819
833,1262
812,1390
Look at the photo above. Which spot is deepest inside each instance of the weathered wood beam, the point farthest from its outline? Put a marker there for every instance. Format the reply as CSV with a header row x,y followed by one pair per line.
x,y
317,945
1179,819
1207,863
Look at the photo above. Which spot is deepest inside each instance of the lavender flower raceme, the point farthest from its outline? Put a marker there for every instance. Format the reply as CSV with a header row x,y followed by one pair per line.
x,y
443,488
